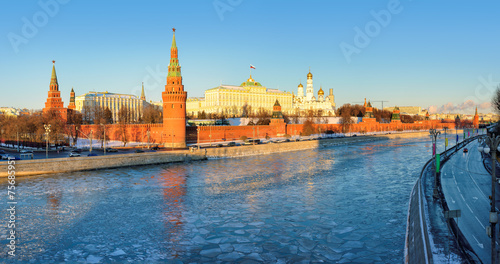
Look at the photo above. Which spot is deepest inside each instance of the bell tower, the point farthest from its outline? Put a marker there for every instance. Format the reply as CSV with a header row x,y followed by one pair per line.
x,y
174,103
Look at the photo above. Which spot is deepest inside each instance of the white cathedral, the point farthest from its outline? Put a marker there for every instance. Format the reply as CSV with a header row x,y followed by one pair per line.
x,y
308,102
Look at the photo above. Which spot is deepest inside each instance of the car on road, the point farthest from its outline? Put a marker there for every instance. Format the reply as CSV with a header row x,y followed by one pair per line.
x,y
91,155
466,150
231,144
10,157
77,150
26,151
139,151
219,145
111,150
74,154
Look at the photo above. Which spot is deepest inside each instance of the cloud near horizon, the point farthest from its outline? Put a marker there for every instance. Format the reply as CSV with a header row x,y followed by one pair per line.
x,y
464,107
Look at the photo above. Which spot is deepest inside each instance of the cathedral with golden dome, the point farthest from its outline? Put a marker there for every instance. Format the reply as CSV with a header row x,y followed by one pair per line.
x,y
322,105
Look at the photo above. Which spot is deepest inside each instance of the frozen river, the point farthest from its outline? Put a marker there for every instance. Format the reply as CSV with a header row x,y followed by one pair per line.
x,y
341,204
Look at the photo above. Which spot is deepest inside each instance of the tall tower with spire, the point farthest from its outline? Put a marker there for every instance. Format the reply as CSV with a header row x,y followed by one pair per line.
x,y
309,87
143,95
174,103
54,101
475,122
72,100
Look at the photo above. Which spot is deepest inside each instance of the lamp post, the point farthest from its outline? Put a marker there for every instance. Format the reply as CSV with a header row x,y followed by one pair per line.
x,y
445,138
104,129
47,133
492,145
17,136
198,134
89,137
434,135
148,135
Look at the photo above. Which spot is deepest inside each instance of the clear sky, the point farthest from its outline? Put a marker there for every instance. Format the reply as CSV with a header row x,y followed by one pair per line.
x,y
442,55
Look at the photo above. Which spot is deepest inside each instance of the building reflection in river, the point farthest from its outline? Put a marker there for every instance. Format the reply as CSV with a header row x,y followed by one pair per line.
x,y
173,181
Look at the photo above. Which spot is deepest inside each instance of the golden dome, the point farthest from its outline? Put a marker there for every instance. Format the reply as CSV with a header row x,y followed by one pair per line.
x,y
300,85
309,75
320,92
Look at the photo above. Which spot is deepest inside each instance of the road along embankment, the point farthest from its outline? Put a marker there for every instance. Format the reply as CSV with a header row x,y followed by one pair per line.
x,y
47,166
263,149
428,239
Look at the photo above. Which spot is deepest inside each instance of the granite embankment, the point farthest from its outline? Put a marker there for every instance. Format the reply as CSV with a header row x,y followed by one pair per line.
x,y
60,165
46,166
263,149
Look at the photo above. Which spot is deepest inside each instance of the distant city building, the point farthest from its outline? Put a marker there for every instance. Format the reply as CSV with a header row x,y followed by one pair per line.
x,y
232,100
113,101
11,111
302,104
408,110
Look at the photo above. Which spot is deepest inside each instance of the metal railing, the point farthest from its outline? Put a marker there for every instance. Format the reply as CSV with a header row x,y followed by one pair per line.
x,y
419,186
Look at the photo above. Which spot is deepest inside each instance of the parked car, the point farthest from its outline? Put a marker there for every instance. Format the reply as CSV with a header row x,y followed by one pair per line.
x,y
74,154
91,155
231,144
155,148
10,157
26,151
76,150
111,150
219,145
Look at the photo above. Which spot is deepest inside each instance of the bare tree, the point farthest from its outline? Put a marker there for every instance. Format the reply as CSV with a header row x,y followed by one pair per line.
x,y
346,121
495,101
152,115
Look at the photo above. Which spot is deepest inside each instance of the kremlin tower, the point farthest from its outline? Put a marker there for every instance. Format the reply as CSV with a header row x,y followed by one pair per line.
x,y
475,121
174,104
143,95
72,99
54,101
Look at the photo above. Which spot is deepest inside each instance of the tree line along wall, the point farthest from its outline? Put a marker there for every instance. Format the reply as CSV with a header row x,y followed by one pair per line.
x,y
131,132
158,135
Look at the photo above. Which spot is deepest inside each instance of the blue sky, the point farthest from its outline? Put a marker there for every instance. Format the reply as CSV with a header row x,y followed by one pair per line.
x,y
442,56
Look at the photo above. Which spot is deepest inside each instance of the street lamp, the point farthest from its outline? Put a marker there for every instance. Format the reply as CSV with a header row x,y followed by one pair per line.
x,y
434,135
89,137
445,138
492,145
104,129
47,133
198,134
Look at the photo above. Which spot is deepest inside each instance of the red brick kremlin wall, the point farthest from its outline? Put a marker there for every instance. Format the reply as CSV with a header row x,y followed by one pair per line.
x,y
138,132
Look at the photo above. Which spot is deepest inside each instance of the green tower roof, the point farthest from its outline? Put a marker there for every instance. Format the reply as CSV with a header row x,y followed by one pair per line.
x,y
53,79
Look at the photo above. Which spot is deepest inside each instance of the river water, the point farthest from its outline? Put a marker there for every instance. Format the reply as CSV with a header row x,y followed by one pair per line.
x,y
342,204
